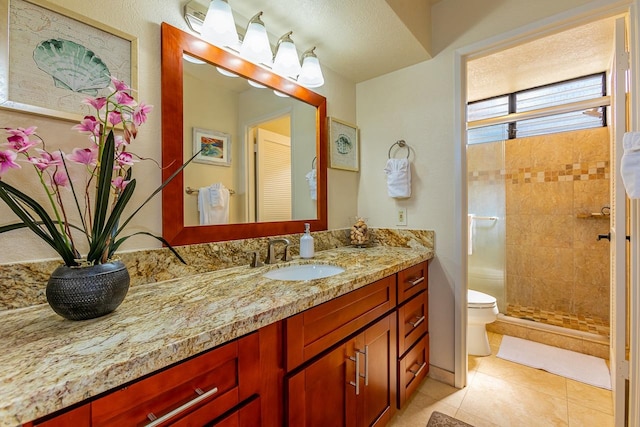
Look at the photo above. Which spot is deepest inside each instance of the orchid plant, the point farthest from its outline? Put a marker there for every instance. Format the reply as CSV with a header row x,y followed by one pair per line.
x,y
107,189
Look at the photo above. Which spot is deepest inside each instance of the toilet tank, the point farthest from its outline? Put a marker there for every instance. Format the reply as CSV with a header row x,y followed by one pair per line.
x,y
490,281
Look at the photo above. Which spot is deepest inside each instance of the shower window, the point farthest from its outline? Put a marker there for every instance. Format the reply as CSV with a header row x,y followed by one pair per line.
x,y
502,114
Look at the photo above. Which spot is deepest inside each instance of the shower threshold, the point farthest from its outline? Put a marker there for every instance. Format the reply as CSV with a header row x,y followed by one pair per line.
x,y
587,324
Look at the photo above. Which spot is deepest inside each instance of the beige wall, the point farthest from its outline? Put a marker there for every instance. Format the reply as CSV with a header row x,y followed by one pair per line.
x,y
142,19
417,104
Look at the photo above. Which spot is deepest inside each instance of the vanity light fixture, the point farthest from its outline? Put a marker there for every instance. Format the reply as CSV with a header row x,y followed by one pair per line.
x,y
219,28
255,45
286,62
311,73
216,25
192,59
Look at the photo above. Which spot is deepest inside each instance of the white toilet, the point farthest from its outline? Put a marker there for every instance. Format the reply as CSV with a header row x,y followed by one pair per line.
x,y
483,309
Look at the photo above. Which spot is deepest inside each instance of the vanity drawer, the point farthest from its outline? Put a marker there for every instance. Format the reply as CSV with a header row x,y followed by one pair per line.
x,y
412,369
411,281
218,379
413,321
309,333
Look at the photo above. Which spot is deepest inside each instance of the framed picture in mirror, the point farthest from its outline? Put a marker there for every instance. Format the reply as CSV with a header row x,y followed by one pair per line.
x,y
211,147
344,151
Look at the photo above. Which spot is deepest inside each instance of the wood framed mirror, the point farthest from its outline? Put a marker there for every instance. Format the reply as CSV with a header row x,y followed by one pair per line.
x,y
176,228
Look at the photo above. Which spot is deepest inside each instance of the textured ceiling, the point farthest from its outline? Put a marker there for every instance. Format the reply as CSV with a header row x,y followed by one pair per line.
x,y
359,39
577,52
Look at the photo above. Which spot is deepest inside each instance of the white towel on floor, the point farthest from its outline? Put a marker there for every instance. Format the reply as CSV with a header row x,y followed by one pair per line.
x,y
630,164
313,184
213,211
398,178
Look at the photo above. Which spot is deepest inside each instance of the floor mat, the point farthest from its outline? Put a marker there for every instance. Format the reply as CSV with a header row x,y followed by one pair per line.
x,y
570,364
438,419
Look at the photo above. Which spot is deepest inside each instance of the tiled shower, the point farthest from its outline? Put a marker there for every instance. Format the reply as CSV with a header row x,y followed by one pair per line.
x,y
550,195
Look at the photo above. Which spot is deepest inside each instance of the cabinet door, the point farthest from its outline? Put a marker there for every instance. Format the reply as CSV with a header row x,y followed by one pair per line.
x,y
376,401
323,393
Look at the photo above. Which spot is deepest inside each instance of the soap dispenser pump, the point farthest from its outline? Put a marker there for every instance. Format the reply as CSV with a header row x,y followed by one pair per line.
x,y
306,243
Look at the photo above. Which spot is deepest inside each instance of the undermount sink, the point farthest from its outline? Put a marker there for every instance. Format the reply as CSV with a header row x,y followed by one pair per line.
x,y
304,272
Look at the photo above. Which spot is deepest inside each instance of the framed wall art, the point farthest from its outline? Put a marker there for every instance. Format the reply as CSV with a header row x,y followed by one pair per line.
x,y
52,58
212,147
344,150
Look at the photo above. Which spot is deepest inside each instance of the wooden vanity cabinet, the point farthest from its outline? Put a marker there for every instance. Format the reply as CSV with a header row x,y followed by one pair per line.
x,y
350,385
413,330
341,360
194,392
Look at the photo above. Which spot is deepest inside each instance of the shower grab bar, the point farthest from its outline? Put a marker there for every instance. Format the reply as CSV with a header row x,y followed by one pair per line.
x,y
486,218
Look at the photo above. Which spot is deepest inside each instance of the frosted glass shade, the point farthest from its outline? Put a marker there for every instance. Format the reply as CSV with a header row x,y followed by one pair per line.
x,y
219,28
255,46
311,74
286,62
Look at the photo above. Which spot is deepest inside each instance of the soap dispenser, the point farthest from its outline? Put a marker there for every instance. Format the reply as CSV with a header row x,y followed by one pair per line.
x,y
306,243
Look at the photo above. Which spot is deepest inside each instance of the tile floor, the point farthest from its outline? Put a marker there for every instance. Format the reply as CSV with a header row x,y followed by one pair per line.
x,y
506,394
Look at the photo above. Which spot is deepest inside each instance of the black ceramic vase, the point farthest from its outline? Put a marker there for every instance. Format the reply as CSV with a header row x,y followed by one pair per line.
x,y
81,293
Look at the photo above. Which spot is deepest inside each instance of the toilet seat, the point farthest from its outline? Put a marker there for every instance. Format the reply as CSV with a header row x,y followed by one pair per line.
x,y
477,299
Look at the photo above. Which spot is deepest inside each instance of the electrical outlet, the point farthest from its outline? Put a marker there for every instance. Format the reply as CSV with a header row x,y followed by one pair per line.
x,y
401,219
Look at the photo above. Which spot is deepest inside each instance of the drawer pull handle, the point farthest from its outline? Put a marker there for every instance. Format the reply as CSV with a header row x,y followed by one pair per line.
x,y
415,282
416,373
356,384
201,396
417,322
366,364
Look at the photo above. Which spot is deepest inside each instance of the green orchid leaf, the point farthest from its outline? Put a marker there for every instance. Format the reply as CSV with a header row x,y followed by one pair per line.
x,y
54,239
103,190
120,241
99,244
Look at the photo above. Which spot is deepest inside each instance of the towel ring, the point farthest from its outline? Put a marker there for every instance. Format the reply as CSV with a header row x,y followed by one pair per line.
x,y
402,144
313,163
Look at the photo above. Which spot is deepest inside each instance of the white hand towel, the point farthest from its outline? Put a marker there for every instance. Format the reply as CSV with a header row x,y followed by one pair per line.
x,y
210,214
630,164
215,194
313,185
398,178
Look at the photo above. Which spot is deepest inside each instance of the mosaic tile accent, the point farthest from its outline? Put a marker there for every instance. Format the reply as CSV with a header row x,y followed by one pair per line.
x,y
570,172
576,322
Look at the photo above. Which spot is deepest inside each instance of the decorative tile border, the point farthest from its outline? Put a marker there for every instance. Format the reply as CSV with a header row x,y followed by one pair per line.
x,y
571,172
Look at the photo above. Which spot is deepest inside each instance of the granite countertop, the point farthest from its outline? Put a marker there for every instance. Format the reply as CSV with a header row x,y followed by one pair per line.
x,y
48,363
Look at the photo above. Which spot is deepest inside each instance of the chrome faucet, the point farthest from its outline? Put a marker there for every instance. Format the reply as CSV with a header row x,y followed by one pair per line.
x,y
271,252
255,259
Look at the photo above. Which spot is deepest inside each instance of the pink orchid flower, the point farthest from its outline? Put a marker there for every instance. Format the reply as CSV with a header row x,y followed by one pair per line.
x,y
84,156
60,179
20,142
46,159
7,161
97,103
124,159
124,98
119,85
140,113
119,183
119,141
115,117
88,124
21,131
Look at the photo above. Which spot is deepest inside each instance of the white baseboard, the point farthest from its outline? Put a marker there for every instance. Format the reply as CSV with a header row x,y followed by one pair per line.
x,y
441,375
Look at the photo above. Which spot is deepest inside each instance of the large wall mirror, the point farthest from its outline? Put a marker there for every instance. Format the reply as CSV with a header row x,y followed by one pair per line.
x,y
262,138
